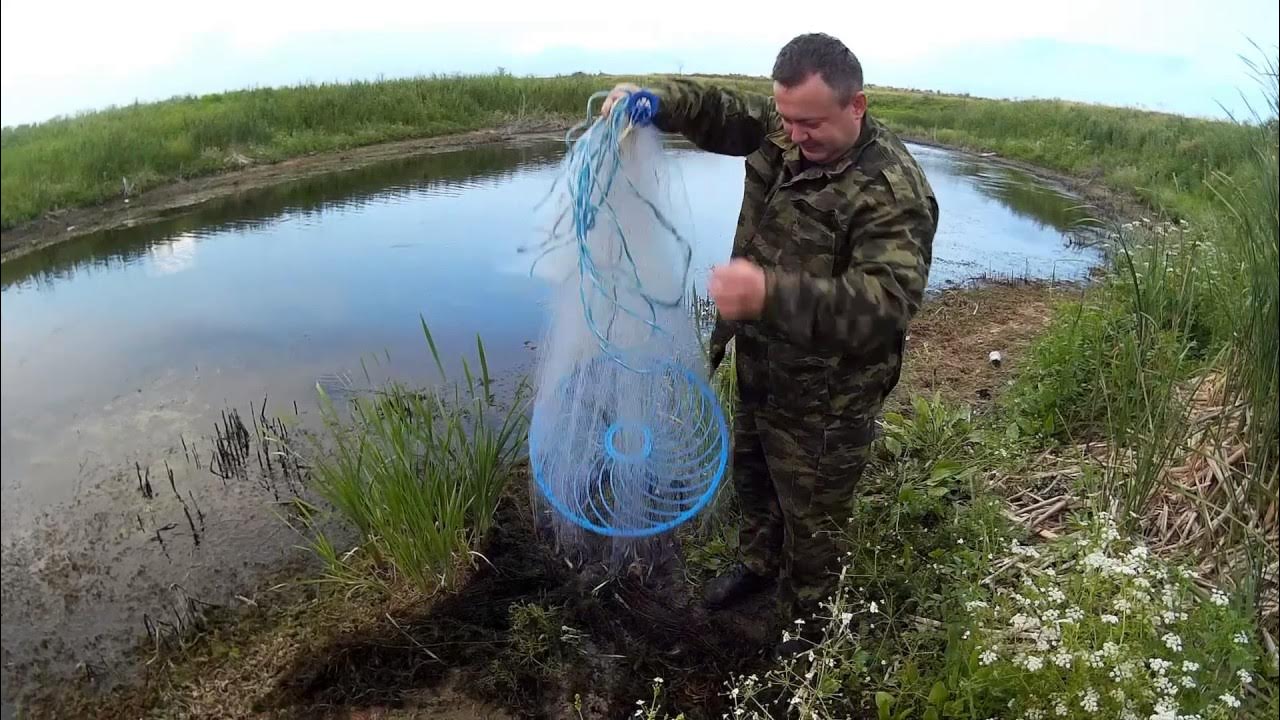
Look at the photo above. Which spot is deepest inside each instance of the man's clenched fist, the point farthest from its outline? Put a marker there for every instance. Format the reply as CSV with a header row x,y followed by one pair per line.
x,y
738,290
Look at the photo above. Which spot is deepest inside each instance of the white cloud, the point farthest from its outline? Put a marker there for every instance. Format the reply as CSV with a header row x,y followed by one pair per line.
x,y
63,54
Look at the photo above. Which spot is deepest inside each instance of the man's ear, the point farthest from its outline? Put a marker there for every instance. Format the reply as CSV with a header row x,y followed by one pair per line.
x,y
858,103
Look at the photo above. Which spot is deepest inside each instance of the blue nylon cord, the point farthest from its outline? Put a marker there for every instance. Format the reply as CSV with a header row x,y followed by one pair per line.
x,y
593,163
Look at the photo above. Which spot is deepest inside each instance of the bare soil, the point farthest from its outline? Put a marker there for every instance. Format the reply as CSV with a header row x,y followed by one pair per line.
x,y
953,335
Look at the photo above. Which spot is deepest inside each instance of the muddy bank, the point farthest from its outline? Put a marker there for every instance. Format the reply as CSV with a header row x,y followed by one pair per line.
x,y
530,633
176,198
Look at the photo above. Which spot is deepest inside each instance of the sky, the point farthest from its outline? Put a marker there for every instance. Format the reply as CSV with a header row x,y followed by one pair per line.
x,y
60,57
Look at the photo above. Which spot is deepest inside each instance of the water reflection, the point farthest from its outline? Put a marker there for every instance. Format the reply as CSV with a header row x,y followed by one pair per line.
x,y
444,174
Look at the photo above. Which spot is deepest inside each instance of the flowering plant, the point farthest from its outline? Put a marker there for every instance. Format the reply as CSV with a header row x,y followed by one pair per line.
x,y
1098,627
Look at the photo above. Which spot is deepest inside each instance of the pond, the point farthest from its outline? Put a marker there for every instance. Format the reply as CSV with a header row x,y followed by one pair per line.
x,y
122,352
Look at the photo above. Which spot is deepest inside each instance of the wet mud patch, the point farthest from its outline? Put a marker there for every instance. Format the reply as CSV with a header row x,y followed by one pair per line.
x,y
542,637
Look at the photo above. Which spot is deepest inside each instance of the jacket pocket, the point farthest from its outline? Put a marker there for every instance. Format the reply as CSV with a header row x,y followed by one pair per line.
x,y
798,381
815,231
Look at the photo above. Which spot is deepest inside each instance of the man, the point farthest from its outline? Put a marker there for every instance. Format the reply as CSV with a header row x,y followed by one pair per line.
x,y
830,261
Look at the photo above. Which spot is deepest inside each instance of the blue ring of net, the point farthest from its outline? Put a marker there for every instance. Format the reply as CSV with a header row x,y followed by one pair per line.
x,y
640,475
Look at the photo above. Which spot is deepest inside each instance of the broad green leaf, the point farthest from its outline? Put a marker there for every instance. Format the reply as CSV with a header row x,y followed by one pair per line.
x,y
884,703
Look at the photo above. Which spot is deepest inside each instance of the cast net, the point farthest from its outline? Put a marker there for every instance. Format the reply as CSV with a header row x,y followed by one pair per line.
x,y
627,437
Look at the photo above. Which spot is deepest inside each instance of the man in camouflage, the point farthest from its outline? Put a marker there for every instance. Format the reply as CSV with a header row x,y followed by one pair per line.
x,y
830,261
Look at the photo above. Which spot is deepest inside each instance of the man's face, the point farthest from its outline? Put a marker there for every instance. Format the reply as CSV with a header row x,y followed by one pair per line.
x,y
815,119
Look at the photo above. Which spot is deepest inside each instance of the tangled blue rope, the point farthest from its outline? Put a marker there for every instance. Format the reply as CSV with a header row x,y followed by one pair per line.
x,y
592,167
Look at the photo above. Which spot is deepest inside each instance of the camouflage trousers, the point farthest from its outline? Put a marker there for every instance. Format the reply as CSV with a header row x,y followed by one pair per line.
x,y
795,480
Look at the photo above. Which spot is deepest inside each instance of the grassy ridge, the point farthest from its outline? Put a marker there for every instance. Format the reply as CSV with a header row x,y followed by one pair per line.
x,y
85,159
1165,159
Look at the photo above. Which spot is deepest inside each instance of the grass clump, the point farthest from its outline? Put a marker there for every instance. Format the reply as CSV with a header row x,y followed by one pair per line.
x,y
418,475
540,646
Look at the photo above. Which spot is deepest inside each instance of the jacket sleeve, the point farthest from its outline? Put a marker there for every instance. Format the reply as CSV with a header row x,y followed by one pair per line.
x,y
872,302
714,118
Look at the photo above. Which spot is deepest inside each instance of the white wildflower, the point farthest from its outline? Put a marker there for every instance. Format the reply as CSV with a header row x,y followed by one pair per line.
x,y
1022,622
1229,700
1190,666
1173,642
1159,665
974,604
1245,677
1110,619
1097,561
1095,659
1060,709
1089,703
873,607
1062,659
1242,638
1051,614
1165,710
988,656
1169,617
1075,614
1110,649
1187,682
1033,662
1122,605
1219,598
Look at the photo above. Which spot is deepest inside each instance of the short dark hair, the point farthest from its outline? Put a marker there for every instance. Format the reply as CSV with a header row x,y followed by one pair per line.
x,y
819,53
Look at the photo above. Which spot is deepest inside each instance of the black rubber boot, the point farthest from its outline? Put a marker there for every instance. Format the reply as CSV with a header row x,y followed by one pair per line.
x,y
734,586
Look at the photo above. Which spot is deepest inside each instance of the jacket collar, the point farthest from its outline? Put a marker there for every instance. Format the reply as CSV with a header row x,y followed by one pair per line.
x,y
792,158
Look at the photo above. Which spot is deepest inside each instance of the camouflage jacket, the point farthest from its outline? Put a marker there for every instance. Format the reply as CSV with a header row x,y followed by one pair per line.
x,y
846,248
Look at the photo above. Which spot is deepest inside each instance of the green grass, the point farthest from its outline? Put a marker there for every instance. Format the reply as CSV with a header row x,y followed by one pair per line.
x,y
87,159
1179,305
418,475
1167,160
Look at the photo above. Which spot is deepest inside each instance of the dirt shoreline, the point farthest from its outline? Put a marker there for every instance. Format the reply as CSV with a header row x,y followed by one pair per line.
x,y
184,195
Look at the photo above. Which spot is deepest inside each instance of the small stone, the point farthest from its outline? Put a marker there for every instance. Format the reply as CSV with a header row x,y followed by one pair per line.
x,y
996,358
